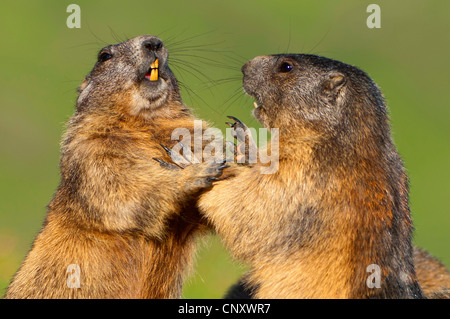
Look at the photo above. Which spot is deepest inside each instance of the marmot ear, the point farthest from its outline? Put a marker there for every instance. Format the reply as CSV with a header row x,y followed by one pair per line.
x,y
334,82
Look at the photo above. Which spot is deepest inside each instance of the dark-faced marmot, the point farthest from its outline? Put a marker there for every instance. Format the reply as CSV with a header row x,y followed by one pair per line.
x,y
333,221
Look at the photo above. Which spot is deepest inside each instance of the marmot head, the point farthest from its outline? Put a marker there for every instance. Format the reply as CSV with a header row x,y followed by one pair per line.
x,y
133,76
319,95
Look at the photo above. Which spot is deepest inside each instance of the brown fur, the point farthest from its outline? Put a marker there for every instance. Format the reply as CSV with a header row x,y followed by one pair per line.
x,y
126,221
339,200
434,277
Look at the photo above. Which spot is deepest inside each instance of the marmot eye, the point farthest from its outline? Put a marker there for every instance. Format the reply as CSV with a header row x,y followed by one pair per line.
x,y
286,67
104,56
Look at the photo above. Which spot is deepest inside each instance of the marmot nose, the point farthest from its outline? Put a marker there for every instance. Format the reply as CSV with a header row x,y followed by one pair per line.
x,y
153,44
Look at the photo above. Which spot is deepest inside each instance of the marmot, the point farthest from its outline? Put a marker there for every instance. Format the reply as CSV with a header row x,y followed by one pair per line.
x,y
118,220
333,221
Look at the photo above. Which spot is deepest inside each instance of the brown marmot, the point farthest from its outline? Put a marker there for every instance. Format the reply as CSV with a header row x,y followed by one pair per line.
x,y
333,221
119,225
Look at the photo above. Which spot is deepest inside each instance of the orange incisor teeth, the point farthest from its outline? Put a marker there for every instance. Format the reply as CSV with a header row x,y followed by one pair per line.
x,y
155,64
154,75
154,71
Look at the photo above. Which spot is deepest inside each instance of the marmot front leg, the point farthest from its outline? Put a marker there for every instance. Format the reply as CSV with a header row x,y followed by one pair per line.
x,y
246,150
192,177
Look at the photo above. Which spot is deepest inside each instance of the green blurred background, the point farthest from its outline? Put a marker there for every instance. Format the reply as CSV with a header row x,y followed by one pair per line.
x,y
43,62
